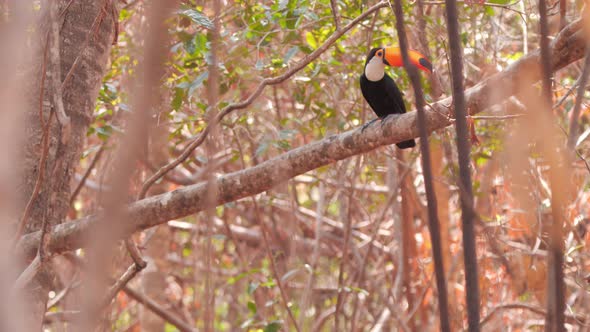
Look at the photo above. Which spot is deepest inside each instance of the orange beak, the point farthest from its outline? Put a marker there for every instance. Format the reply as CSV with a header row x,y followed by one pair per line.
x,y
393,57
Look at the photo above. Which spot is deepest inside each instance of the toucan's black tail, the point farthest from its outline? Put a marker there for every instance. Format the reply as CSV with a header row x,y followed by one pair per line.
x,y
406,144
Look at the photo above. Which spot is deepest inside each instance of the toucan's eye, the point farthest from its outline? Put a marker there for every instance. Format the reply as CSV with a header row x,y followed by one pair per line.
x,y
380,53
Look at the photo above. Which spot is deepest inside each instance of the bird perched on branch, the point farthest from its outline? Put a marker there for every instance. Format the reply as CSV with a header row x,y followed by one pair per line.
x,y
380,90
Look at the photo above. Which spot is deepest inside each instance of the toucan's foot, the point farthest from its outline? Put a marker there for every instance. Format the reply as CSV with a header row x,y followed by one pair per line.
x,y
368,124
406,144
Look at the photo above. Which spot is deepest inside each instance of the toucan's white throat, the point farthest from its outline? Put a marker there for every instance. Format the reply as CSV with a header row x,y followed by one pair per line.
x,y
375,69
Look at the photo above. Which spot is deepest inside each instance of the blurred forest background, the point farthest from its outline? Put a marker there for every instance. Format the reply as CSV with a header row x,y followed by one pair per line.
x,y
157,96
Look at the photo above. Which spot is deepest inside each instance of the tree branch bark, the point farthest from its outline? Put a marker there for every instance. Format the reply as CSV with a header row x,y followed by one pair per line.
x,y
567,47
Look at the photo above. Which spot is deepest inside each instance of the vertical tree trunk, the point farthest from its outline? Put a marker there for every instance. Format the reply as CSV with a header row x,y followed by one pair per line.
x,y
85,39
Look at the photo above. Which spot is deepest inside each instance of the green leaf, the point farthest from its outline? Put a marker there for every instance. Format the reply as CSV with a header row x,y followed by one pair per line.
x,y
311,41
197,17
170,328
269,284
241,276
252,307
178,98
190,46
290,53
104,132
273,326
197,82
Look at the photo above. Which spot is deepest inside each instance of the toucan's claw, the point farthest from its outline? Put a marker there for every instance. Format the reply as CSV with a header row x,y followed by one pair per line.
x,y
368,124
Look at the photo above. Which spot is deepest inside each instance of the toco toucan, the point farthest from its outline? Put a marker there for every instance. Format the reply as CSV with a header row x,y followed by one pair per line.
x,y
380,90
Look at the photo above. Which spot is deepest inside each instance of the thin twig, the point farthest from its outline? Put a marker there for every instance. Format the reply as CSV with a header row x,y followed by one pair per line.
x,y
488,4
158,310
562,11
334,5
61,295
28,274
135,253
322,319
361,278
316,246
198,140
137,296
495,117
210,146
577,319
568,93
263,231
583,80
87,173
61,316
343,263
43,77
45,227
131,272
434,79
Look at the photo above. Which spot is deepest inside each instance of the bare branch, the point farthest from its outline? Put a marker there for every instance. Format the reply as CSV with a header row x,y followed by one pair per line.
x,y
121,283
86,174
28,274
135,254
582,81
575,319
488,4
61,316
433,221
555,319
345,206
468,216
496,117
212,98
273,266
158,310
334,5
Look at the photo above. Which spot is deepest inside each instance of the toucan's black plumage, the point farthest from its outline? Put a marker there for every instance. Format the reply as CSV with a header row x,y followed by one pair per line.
x,y
380,90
